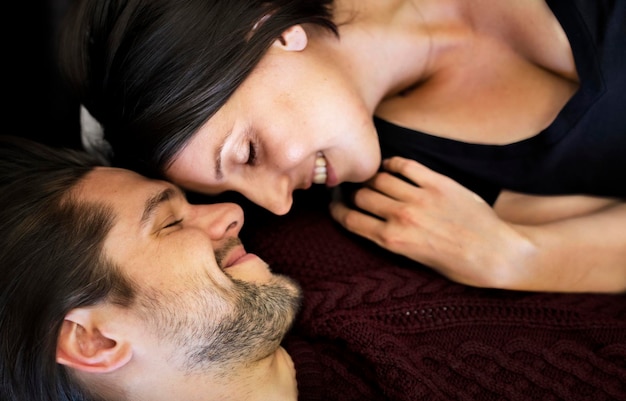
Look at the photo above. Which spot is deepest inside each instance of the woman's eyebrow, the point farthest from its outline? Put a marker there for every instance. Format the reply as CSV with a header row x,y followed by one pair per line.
x,y
218,161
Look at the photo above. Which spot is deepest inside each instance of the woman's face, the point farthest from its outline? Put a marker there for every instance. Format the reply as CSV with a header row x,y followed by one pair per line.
x,y
293,113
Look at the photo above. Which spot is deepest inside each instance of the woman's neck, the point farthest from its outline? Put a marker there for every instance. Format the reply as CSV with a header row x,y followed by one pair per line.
x,y
388,47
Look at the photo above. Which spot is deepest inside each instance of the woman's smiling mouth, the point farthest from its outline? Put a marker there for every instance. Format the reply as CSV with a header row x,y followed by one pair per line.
x,y
320,174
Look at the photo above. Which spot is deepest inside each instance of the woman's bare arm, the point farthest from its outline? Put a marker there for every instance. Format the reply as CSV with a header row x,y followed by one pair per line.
x,y
449,228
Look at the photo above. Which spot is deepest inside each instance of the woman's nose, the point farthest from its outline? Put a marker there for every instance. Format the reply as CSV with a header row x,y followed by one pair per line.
x,y
274,195
221,220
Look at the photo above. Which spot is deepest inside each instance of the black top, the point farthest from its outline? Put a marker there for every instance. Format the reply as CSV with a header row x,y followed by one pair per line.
x,y
582,152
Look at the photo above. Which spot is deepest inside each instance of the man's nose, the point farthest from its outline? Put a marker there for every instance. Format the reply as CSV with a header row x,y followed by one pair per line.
x,y
221,220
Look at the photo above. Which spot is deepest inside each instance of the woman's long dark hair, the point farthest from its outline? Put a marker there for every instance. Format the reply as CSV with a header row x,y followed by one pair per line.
x,y
153,71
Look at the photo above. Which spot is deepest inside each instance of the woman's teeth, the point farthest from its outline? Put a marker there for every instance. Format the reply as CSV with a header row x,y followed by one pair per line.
x,y
320,169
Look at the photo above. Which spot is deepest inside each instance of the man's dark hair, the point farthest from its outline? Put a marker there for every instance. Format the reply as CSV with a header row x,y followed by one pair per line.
x,y
51,261
153,71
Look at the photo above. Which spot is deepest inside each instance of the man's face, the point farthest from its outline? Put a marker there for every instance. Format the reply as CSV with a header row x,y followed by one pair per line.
x,y
201,296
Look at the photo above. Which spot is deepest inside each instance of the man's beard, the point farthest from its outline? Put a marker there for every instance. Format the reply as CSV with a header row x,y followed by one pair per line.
x,y
262,315
215,332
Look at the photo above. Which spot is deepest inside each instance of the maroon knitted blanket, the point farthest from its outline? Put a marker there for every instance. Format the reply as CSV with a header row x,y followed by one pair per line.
x,y
375,326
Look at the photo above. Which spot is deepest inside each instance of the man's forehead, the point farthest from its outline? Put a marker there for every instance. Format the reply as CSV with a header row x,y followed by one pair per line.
x,y
124,190
127,194
113,181
130,194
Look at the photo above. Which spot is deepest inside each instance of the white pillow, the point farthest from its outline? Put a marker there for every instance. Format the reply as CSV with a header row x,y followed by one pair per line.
x,y
92,137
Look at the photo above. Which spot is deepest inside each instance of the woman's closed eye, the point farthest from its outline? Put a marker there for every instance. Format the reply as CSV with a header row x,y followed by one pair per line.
x,y
252,154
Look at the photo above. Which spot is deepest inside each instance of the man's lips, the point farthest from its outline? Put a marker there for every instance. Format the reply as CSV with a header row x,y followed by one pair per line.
x,y
238,256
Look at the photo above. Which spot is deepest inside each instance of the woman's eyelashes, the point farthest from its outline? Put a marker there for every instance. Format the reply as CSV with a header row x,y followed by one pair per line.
x,y
252,153
245,151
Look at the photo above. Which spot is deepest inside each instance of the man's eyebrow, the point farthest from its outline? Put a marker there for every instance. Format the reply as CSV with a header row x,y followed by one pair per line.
x,y
153,202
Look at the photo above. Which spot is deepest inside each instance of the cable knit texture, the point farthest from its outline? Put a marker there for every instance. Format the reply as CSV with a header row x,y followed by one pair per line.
x,y
375,326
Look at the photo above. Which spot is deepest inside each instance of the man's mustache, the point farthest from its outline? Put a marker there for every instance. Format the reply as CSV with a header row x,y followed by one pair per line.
x,y
222,252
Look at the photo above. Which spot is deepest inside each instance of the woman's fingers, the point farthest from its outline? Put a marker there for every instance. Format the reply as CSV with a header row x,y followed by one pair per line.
x,y
413,171
356,221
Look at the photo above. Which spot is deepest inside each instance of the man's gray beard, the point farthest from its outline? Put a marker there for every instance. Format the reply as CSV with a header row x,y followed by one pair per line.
x,y
261,315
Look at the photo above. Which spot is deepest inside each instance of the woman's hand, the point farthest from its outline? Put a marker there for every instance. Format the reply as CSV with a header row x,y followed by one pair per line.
x,y
439,223
567,243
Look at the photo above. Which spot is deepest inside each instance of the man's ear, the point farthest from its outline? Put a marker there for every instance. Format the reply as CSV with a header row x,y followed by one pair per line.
x,y
83,346
293,38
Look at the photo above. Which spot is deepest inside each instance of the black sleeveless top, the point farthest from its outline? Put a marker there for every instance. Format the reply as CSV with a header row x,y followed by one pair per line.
x,y
582,152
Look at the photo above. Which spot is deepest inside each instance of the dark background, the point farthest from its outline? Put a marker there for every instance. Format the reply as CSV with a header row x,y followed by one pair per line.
x,y
36,103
